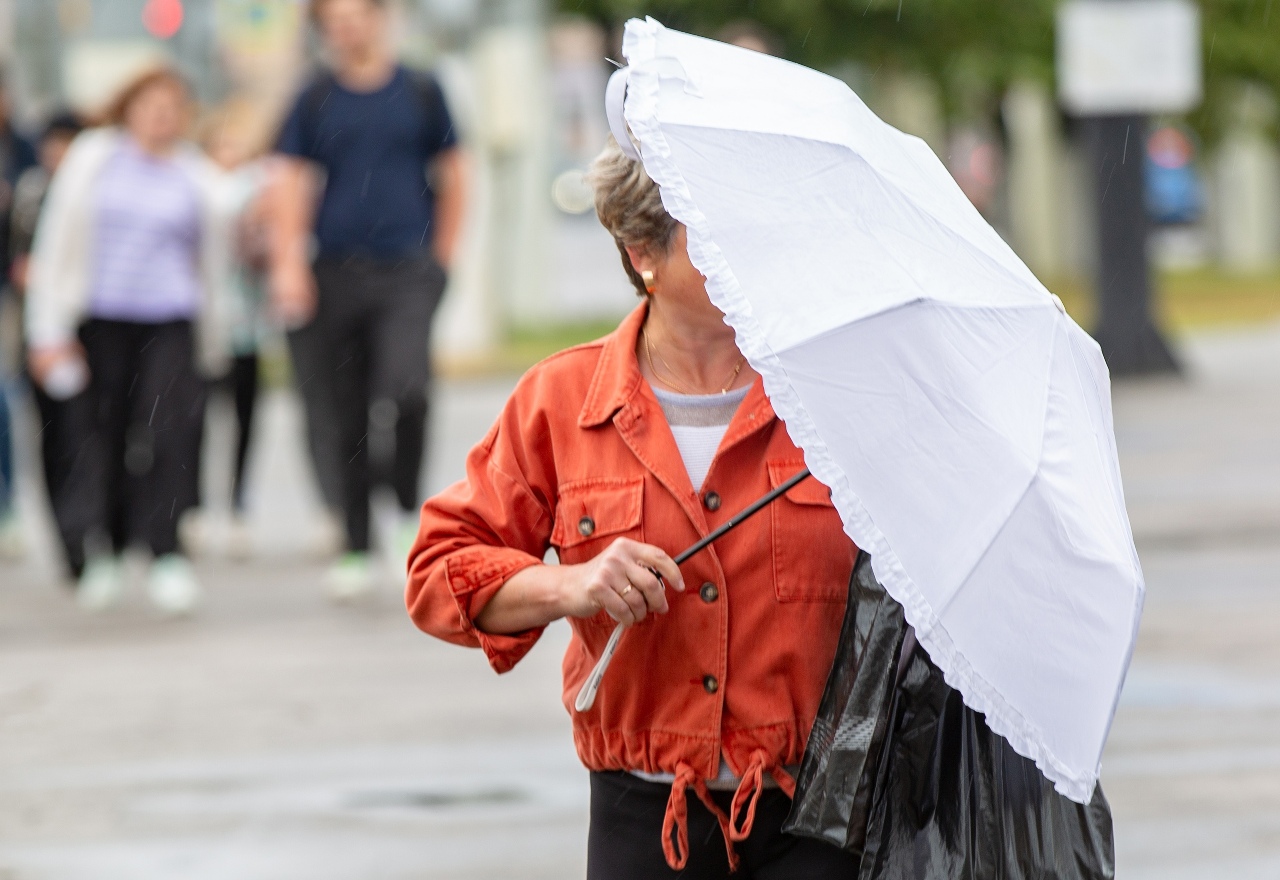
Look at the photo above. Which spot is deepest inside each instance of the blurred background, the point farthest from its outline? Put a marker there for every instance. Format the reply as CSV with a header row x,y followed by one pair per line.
x,y
275,734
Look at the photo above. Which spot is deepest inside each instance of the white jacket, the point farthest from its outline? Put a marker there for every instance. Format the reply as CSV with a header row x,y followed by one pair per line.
x,y
62,253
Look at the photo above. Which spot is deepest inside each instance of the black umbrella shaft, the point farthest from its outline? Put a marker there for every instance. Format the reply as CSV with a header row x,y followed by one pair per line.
x,y
743,515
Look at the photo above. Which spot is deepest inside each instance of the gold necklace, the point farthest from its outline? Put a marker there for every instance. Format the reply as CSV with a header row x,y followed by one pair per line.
x,y
648,350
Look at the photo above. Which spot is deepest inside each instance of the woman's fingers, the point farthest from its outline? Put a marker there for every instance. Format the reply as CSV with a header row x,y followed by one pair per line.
x,y
635,599
654,558
616,606
649,586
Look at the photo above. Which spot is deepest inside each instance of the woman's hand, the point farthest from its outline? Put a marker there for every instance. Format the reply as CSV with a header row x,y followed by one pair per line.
x,y
293,293
619,581
44,360
622,582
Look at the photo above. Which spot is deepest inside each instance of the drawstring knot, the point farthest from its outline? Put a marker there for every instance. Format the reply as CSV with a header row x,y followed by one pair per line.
x,y
742,812
677,819
735,825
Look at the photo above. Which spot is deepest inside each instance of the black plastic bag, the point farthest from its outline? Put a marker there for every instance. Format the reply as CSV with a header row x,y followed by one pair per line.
x,y
899,770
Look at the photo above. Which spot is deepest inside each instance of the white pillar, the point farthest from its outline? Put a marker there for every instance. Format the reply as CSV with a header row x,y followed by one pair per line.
x,y
514,130
502,98
467,327
1034,169
1247,178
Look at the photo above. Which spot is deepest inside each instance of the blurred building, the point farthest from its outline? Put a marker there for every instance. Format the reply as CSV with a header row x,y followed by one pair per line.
x,y
527,93
493,57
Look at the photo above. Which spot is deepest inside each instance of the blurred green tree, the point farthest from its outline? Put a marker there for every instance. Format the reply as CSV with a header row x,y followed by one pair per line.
x,y
965,46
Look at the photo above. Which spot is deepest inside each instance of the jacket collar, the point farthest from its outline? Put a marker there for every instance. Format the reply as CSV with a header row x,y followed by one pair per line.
x,y
617,381
617,376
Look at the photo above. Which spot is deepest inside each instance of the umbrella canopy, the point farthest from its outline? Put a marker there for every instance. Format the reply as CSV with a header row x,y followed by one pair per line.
x,y
960,417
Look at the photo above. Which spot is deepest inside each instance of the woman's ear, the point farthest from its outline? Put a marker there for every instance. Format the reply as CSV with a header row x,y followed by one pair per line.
x,y
641,259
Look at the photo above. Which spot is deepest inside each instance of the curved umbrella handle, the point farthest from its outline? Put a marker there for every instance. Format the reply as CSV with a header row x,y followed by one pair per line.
x,y
587,694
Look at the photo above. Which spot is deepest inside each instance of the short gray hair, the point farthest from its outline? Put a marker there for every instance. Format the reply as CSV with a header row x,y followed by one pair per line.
x,y
629,205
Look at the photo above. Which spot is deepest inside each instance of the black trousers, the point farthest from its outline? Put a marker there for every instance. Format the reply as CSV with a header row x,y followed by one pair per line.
x,y
313,373
147,413
625,839
377,318
67,434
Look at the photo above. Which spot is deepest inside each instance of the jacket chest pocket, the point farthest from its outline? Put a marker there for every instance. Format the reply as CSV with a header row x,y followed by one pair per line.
x,y
592,514
812,556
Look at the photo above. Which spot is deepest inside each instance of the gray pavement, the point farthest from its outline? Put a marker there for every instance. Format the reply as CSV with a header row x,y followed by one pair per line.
x,y
278,736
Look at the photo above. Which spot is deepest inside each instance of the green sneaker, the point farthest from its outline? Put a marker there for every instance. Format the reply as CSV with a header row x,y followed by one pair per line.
x,y
349,578
405,536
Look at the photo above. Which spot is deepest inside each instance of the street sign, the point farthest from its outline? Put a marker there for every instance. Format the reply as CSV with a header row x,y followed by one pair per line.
x,y
1129,56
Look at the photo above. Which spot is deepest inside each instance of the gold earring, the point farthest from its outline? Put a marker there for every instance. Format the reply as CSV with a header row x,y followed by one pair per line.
x,y
647,277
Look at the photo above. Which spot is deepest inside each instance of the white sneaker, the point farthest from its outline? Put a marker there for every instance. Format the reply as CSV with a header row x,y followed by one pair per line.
x,y
349,578
172,585
101,584
195,529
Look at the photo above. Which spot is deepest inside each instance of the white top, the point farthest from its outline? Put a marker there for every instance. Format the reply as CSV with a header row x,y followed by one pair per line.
x,y
698,422
58,292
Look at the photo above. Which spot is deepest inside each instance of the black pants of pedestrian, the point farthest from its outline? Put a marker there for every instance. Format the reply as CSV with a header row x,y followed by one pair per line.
x,y
625,839
241,384
313,370
66,457
148,409
377,316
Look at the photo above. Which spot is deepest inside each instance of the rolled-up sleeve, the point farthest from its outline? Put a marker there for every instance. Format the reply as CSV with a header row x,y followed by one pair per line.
x,y
478,533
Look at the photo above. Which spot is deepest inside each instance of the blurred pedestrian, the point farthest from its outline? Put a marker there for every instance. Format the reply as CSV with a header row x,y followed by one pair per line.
x,y
127,258
16,156
58,434
384,235
232,141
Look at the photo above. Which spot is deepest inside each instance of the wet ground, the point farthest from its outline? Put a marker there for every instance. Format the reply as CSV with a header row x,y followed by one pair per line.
x,y
278,736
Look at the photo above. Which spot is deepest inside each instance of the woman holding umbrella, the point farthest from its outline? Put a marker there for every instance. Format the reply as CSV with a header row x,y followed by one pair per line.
x,y
617,454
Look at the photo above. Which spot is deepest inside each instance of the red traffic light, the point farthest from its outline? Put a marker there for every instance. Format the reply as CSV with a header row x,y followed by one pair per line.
x,y
162,18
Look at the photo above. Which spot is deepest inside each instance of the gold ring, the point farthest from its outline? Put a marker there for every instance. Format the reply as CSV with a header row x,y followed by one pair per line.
x,y
627,590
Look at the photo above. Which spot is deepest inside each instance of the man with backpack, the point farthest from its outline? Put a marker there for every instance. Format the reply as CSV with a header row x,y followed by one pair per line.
x,y
367,208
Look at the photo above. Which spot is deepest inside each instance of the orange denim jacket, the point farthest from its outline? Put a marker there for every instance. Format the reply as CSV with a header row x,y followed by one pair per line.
x,y
581,456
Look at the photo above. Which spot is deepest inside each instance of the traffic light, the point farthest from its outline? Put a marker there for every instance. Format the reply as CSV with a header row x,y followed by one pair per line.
x,y
162,18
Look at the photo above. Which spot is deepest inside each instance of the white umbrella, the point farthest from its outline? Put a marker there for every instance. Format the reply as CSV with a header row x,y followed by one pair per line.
x,y
960,417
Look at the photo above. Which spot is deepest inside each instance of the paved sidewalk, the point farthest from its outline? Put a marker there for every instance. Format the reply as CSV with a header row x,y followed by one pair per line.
x,y
276,736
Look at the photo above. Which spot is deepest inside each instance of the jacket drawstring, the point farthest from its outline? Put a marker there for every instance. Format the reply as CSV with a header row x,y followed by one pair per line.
x,y
677,819
748,794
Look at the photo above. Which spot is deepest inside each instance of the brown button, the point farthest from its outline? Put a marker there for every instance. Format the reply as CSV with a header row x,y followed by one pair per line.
x,y
709,592
586,526
709,682
711,500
